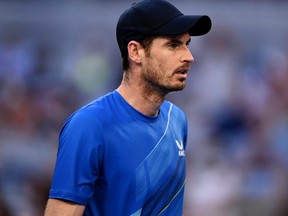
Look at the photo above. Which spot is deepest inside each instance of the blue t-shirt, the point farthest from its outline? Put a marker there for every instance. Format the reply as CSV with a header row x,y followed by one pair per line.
x,y
116,161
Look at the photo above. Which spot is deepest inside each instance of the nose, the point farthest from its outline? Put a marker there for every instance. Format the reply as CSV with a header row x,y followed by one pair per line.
x,y
187,56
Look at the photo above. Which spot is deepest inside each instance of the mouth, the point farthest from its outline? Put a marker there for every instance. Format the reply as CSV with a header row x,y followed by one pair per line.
x,y
183,69
182,72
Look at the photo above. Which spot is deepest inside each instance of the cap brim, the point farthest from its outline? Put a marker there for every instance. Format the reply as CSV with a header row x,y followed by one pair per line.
x,y
195,25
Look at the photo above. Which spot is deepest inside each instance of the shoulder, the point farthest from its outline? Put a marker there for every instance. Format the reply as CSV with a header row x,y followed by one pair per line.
x,y
92,113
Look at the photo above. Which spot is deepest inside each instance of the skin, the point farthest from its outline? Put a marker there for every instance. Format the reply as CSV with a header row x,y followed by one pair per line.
x,y
150,77
57,207
153,75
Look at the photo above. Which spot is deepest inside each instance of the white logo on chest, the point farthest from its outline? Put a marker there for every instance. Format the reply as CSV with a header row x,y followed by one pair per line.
x,y
180,146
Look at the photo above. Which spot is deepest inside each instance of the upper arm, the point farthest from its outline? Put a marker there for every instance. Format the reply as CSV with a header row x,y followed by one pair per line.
x,y
78,159
56,207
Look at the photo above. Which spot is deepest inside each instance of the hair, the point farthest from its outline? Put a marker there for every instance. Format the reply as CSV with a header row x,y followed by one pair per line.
x,y
145,43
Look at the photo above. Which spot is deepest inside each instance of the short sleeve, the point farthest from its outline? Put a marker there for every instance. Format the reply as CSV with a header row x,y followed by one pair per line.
x,y
79,156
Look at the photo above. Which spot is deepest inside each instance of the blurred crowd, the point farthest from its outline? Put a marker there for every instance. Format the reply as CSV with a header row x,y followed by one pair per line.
x,y
34,101
237,106
236,101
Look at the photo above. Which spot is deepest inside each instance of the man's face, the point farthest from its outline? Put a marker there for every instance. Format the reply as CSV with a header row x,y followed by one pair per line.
x,y
166,65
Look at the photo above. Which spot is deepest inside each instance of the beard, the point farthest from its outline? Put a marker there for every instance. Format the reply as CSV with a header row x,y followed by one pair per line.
x,y
156,80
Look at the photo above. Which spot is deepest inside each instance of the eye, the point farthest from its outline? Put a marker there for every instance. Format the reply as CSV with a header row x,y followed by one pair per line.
x,y
188,42
173,45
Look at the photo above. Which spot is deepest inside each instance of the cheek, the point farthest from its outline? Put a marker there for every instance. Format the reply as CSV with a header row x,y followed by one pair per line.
x,y
164,64
167,61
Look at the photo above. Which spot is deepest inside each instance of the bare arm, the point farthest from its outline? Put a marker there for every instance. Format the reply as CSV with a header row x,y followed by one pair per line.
x,y
57,207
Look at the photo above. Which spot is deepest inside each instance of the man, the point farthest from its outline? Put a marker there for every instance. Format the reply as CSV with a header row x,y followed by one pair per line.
x,y
124,153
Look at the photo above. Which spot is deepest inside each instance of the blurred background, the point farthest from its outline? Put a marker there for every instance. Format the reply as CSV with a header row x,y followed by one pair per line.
x,y
55,56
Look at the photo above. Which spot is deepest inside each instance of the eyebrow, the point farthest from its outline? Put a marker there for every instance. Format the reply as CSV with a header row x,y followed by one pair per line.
x,y
175,39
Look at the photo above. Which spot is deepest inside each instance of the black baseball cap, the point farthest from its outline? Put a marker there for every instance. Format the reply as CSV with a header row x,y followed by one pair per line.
x,y
157,17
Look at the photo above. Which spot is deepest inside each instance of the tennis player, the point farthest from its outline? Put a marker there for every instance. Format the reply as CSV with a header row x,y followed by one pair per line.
x,y
124,153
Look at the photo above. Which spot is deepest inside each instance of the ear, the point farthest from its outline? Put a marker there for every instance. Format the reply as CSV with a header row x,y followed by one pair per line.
x,y
134,51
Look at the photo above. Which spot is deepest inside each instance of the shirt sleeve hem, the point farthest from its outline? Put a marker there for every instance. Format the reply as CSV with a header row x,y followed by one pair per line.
x,y
64,195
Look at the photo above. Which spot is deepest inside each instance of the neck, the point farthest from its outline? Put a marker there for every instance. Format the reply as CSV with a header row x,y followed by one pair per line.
x,y
142,99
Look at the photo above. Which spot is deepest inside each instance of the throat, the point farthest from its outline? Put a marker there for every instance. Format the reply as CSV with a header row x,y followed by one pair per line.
x,y
147,104
151,103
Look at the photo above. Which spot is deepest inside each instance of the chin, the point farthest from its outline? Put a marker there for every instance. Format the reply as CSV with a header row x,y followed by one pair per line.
x,y
172,87
180,86
177,88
